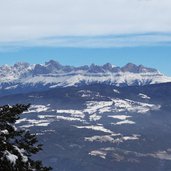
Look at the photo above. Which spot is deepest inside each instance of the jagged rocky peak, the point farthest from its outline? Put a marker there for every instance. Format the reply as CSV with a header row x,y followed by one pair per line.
x,y
55,67
108,66
17,68
47,68
96,69
111,68
84,68
145,69
52,67
53,63
130,67
21,65
5,67
39,69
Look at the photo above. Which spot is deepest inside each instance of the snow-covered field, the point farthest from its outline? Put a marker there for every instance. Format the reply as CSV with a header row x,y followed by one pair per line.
x,y
90,117
120,154
93,111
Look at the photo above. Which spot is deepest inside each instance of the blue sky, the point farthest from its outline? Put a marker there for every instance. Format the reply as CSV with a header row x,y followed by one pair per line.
x,y
158,56
79,32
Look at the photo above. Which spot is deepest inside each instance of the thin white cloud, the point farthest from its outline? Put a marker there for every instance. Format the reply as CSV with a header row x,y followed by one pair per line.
x,y
131,40
33,20
105,41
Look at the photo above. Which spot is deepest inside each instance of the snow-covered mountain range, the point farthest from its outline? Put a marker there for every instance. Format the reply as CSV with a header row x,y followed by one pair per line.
x,y
52,74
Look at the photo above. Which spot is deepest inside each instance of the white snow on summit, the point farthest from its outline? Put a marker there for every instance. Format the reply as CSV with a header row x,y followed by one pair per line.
x,y
53,74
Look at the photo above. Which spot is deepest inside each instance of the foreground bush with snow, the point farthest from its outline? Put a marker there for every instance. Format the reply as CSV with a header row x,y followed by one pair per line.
x,y
17,146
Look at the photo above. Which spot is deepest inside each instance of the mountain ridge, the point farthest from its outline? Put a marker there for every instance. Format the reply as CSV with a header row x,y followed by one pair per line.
x,y
24,77
54,66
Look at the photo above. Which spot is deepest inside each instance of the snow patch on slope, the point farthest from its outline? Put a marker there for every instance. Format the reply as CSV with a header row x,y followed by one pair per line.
x,y
37,109
124,122
120,117
95,128
143,96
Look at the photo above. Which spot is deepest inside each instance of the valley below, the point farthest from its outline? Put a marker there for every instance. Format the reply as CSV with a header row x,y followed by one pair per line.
x,y
100,127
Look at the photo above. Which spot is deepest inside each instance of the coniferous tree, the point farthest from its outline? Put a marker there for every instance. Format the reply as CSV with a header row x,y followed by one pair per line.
x,y
17,145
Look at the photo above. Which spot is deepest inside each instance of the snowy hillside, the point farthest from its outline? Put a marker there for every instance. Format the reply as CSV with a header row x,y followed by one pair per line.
x,y
100,127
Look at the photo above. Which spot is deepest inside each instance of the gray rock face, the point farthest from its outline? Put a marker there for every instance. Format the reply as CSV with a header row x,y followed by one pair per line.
x,y
52,66
137,69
